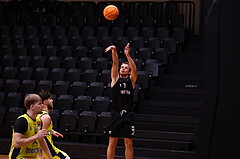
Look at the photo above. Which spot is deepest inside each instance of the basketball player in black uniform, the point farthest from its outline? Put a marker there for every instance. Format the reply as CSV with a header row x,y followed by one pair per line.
x,y
122,84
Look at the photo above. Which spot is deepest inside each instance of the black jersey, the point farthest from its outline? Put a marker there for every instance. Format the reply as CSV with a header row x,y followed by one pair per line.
x,y
122,95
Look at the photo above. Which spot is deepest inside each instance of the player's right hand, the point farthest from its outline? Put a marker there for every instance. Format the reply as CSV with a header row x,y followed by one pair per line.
x,y
41,133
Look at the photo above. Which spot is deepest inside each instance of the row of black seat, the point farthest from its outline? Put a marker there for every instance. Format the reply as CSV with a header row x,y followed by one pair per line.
x,y
62,13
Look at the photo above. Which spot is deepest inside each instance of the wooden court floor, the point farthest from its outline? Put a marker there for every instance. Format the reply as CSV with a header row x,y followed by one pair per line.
x,y
3,156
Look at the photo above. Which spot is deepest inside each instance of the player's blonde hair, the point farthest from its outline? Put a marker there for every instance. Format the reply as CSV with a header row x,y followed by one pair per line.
x,y
31,99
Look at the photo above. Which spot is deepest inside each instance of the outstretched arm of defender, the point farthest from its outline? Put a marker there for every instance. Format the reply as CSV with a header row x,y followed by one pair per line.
x,y
132,64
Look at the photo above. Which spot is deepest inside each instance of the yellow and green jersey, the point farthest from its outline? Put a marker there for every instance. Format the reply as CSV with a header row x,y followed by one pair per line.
x,y
55,152
31,150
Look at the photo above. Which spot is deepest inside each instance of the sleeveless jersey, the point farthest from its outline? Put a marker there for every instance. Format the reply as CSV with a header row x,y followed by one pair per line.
x,y
31,150
55,152
122,95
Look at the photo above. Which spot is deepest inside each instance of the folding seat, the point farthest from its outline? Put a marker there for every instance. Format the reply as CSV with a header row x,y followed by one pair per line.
x,y
50,50
143,53
152,66
102,125
64,102
143,79
156,10
61,13
34,50
138,63
131,32
57,74
142,8
44,84
87,121
85,63
134,21
25,73
31,40
170,43
74,8
17,30
53,62
60,41
153,43
12,99
76,20
40,73
89,8
9,73
55,114
136,93
121,42
89,75
60,88
179,34
8,60
116,32
68,120
90,41
95,89
6,49
75,41
20,50
162,33
24,19
103,22
50,19
101,104
5,40
27,86
162,55
44,30
80,51
10,118
104,77
73,75
107,92
77,88
101,63
129,9
38,61
46,41
73,31
148,21
87,31
64,51
58,31
146,32
101,31
23,61
17,40
31,30
137,42
11,85
96,52
120,21
105,41
69,62
82,103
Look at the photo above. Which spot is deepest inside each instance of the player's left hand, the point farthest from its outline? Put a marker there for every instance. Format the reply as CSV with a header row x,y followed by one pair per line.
x,y
57,134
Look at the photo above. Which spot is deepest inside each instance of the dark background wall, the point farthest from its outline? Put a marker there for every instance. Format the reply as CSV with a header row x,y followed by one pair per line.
x,y
220,131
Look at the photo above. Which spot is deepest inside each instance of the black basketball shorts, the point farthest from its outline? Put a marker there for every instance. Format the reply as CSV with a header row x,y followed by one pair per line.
x,y
122,124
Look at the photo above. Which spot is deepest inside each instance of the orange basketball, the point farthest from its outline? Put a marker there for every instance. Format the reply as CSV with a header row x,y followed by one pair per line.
x,y
110,12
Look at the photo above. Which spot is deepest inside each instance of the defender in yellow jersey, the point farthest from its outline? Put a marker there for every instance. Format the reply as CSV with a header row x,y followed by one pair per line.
x,y
27,137
48,125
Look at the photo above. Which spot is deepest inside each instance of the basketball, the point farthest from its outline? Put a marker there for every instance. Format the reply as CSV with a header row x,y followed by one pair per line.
x,y
110,12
